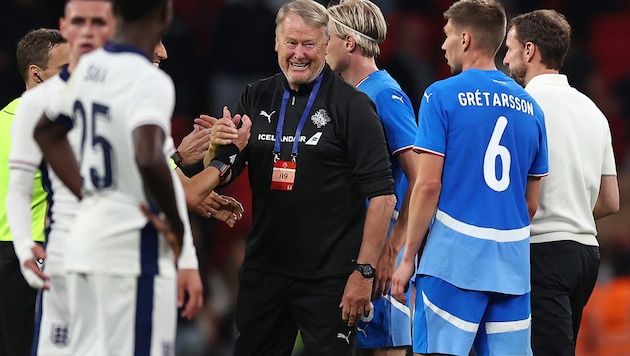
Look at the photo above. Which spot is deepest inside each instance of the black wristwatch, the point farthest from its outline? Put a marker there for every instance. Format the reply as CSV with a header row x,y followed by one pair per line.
x,y
222,167
177,158
366,269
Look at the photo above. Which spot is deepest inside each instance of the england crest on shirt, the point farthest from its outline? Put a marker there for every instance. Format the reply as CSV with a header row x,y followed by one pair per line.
x,y
59,335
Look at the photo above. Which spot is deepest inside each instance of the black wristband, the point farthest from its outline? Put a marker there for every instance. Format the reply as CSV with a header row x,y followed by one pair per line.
x,y
226,153
224,169
177,158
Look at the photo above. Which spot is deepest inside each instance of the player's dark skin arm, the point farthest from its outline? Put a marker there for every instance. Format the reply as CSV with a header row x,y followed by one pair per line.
x,y
156,175
51,138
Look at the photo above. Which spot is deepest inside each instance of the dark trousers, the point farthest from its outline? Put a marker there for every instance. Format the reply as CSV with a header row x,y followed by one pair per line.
x,y
17,306
271,308
563,276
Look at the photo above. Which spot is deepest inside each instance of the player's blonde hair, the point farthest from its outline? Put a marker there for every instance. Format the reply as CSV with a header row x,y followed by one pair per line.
x,y
362,20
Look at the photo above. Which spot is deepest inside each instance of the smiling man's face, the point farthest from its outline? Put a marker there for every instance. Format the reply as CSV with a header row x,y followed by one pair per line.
x,y
301,50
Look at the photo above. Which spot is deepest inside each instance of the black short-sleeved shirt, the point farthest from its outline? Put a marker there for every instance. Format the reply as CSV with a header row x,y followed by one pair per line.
x,y
314,231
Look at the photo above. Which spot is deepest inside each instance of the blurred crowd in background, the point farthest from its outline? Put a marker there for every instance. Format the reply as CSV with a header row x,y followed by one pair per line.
x,y
216,47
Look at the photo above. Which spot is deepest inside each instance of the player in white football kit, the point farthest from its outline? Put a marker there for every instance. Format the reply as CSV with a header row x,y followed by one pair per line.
x,y
116,262
53,329
121,276
86,24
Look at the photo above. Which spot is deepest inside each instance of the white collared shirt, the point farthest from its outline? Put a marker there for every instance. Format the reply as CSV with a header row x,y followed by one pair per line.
x,y
580,153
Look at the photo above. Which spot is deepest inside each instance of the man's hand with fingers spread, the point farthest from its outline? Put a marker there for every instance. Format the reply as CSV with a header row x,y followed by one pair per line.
x,y
229,211
205,121
221,207
194,146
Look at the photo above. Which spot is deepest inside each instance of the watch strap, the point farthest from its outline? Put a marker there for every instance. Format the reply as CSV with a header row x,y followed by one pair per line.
x,y
223,168
366,270
177,158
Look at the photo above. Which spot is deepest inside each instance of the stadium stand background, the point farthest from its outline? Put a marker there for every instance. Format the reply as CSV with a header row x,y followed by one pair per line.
x,y
216,47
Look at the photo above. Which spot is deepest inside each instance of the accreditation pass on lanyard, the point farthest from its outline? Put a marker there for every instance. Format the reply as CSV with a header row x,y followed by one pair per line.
x,y
283,176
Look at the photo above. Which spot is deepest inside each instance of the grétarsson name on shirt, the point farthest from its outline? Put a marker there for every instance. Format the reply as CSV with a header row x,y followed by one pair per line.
x,y
480,98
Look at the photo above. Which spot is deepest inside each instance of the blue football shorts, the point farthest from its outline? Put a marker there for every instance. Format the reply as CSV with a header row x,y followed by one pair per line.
x,y
450,320
387,325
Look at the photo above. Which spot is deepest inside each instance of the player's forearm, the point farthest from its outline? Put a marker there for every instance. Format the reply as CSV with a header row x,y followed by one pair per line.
x,y
148,142
19,214
200,185
63,161
422,205
408,160
608,198
51,138
375,228
209,155
157,180
192,198
397,237
532,192
188,255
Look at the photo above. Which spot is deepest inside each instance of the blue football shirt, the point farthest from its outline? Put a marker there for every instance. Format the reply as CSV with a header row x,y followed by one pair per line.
x,y
396,114
492,136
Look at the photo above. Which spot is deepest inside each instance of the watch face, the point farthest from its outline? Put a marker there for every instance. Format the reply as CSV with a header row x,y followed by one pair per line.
x,y
367,270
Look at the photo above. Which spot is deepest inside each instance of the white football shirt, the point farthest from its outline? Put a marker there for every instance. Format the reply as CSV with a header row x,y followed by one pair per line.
x,y
24,161
113,91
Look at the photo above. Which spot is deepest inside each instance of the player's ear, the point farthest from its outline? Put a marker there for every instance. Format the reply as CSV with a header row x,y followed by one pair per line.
x,y
466,40
530,50
350,43
34,73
